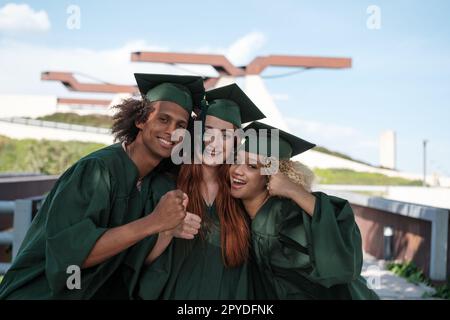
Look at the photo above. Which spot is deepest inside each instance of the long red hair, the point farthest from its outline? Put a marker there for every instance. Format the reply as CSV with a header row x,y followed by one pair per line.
x,y
234,225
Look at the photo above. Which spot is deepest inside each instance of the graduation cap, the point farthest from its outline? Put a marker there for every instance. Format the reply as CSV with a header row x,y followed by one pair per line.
x,y
289,145
231,104
186,91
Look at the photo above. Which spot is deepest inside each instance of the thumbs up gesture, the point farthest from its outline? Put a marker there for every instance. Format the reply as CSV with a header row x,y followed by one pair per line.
x,y
190,225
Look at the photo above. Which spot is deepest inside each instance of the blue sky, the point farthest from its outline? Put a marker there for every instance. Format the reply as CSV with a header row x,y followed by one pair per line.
x,y
400,77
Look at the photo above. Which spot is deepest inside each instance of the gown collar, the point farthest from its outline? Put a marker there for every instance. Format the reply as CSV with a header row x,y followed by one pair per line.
x,y
131,171
263,211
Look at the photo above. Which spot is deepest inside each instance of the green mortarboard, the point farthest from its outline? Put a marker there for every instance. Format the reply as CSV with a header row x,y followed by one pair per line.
x,y
231,104
289,145
186,91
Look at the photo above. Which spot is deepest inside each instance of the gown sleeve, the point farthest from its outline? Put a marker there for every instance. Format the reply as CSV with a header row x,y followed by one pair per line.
x,y
154,277
331,239
135,261
74,219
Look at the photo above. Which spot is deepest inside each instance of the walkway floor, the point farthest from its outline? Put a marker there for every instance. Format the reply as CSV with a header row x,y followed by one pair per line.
x,y
388,285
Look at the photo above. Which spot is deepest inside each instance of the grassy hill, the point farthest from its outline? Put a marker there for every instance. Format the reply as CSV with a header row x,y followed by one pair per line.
x,y
346,176
53,157
93,120
339,155
41,156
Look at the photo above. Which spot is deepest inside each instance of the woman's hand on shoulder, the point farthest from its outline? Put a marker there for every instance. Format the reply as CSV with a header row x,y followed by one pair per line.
x,y
280,185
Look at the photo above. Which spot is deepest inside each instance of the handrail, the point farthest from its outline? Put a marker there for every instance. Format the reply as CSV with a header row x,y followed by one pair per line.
x,y
56,125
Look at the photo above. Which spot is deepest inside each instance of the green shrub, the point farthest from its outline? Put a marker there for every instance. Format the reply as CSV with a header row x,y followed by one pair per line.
x,y
409,271
442,292
413,274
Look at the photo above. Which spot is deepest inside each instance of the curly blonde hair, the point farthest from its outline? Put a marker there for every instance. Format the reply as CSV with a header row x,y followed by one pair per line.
x,y
297,173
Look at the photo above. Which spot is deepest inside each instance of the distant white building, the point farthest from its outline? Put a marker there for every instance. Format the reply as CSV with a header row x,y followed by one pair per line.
x,y
388,150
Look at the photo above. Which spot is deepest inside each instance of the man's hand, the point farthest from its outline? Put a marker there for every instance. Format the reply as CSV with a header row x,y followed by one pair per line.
x,y
187,228
168,214
170,210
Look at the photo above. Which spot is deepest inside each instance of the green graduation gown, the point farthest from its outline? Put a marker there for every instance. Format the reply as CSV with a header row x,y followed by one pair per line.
x,y
97,193
194,269
296,256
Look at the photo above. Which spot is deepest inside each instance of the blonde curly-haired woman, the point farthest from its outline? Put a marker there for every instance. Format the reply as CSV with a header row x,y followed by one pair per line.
x,y
304,245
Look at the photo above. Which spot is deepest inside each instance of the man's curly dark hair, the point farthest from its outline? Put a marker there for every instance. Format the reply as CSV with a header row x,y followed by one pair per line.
x,y
130,112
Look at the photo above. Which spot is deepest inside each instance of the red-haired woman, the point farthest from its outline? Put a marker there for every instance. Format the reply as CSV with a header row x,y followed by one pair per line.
x,y
213,264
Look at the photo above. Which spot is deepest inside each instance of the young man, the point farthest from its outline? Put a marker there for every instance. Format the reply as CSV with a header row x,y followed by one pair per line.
x,y
106,205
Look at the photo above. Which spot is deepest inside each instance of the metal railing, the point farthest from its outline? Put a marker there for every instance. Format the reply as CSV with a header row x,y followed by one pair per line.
x,y
56,125
23,211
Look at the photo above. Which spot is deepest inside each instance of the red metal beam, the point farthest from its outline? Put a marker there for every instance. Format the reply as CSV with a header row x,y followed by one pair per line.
x,y
218,62
260,63
73,84
103,103
225,67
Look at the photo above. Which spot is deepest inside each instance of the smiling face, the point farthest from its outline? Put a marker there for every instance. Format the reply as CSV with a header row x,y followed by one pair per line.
x,y
156,132
246,179
219,141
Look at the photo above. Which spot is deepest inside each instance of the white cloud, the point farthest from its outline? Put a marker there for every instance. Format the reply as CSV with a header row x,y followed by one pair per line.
x,y
17,18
